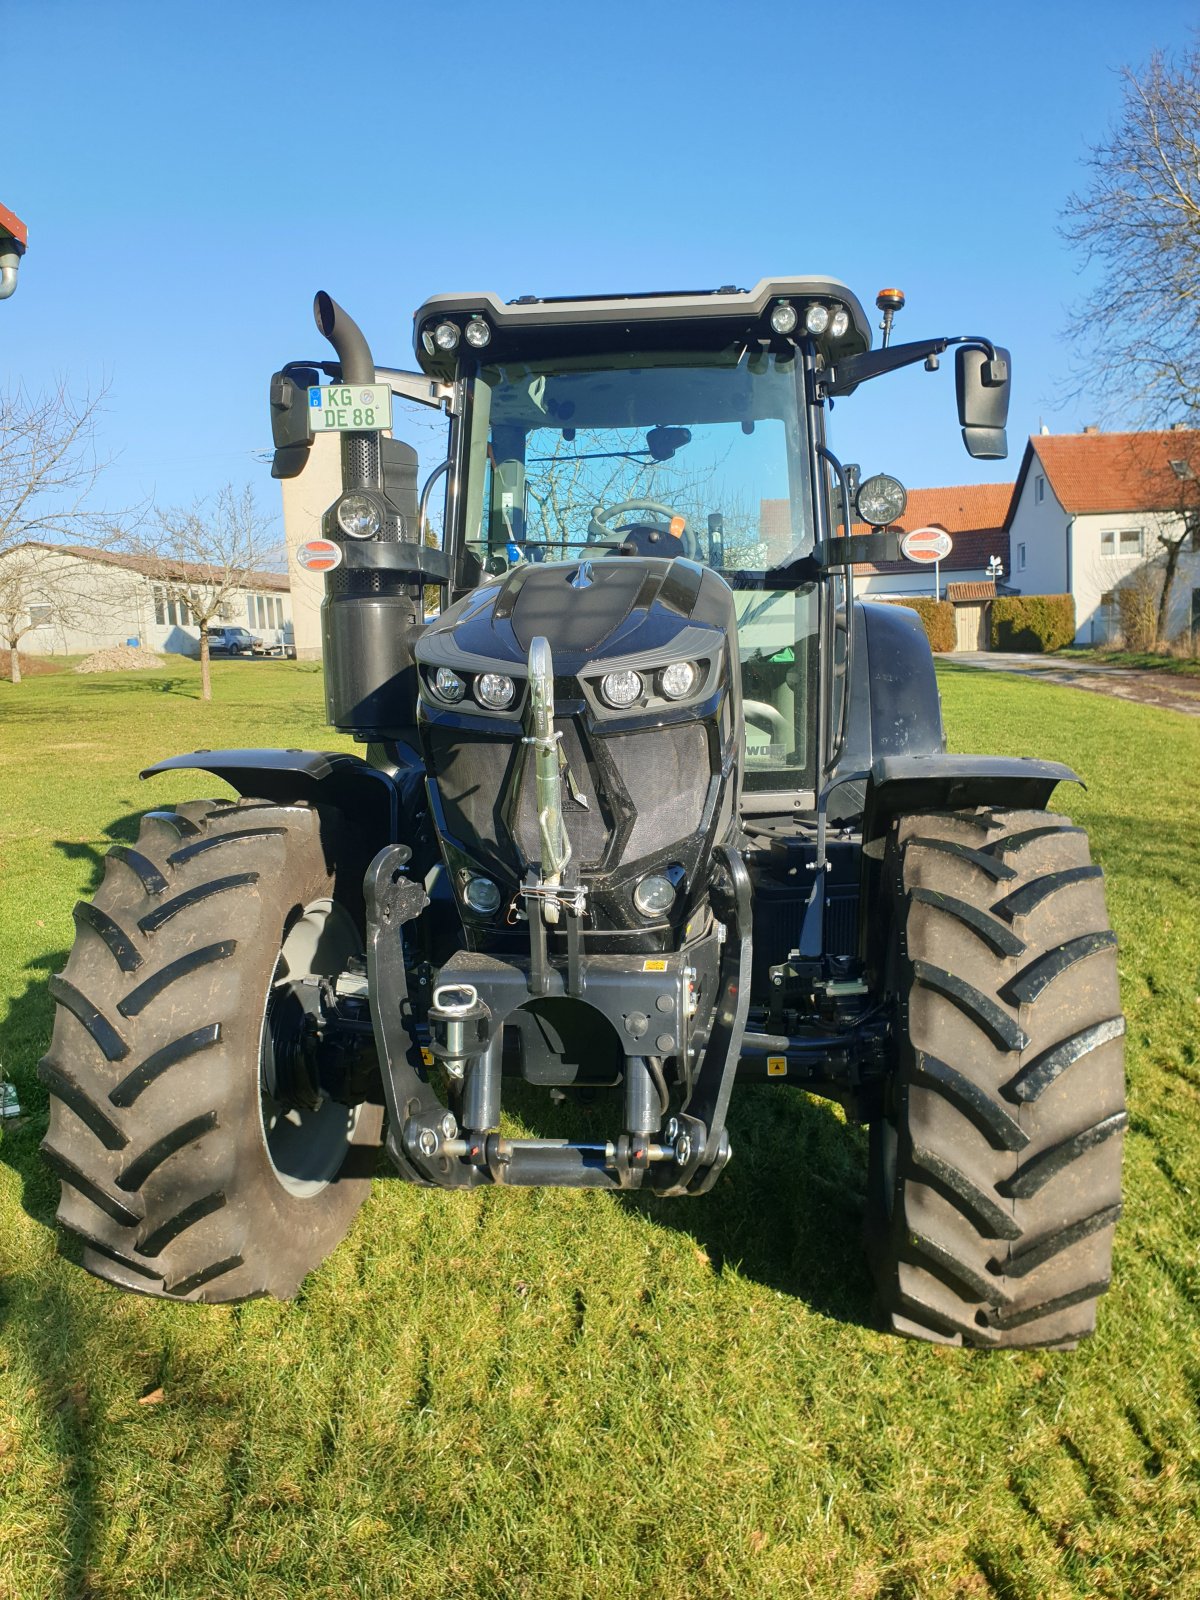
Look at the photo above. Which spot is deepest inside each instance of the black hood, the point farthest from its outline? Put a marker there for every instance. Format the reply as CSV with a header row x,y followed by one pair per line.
x,y
626,607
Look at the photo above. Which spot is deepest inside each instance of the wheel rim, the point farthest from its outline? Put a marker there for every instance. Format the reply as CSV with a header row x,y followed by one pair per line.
x,y
306,1148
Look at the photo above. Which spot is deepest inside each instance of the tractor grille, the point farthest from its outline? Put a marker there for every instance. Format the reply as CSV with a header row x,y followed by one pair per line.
x,y
666,773
588,827
472,773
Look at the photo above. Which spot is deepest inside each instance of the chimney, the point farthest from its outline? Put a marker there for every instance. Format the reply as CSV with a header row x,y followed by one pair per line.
x,y
1091,427
1043,430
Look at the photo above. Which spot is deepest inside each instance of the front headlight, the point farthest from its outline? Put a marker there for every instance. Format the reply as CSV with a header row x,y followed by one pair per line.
x,y
654,895
358,517
494,690
677,680
621,688
881,500
482,895
449,685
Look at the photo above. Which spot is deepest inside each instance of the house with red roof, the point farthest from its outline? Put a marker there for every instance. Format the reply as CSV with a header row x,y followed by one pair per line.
x,y
1088,516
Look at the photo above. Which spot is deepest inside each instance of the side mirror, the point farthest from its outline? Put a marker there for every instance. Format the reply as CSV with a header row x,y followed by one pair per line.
x,y
982,386
290,430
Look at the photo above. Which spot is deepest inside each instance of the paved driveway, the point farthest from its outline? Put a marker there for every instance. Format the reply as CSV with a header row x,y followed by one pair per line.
x,y
1126,683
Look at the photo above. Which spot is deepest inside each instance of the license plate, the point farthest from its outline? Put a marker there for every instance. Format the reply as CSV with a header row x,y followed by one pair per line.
x,y
350,408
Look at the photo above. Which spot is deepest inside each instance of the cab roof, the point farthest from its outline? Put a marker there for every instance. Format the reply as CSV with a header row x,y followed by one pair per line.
x,y
533,327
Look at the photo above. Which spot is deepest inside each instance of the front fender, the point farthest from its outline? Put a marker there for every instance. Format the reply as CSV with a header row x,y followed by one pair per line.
x,y
378,799
942,782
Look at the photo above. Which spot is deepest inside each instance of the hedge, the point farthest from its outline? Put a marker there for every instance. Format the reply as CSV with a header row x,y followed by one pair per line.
x,y
1033,622
937,618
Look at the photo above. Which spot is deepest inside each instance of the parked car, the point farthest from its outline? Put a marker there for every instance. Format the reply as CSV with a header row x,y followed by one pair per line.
x,y
232,642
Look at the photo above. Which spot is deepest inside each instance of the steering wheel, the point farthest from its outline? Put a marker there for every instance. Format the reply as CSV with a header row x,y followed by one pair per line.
x,y
598,531
759,711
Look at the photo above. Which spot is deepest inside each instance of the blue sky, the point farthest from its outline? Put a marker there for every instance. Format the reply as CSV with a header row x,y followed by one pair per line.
x,y
191,173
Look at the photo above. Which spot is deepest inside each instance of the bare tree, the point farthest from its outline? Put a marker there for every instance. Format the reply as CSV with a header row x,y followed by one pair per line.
x,y
42,586
1138,224
205,555
49,467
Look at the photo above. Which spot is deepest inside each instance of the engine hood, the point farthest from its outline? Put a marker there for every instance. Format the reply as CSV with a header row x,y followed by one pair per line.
x,y
639,610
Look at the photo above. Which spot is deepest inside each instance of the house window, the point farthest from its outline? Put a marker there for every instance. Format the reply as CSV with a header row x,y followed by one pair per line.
x,y
160,607
39,616
185,616
1020,558
250,609
1121,542
171,617
279,613
1039,490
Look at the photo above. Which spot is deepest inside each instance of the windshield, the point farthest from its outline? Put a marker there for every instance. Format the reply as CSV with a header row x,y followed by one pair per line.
x,y
699,454
671,453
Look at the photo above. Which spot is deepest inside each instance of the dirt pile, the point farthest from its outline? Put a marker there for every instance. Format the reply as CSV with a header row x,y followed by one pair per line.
x,y
31,666
119,658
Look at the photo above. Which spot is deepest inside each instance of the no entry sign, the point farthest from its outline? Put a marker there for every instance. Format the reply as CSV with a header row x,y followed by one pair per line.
x,y
926,545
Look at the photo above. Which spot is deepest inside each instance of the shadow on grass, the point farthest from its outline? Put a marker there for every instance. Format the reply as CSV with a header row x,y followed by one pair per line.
x,y
786,1212
123,682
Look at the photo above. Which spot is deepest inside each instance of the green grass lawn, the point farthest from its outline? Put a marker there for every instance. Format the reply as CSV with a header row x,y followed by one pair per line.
x,y
1143,660
567,1394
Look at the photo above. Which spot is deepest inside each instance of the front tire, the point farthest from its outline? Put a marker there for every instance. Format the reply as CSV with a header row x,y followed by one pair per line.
x,y
995,1172
182,1175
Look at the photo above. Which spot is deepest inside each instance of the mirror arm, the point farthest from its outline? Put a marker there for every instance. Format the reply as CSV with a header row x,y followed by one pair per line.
x,y
846,375
416,386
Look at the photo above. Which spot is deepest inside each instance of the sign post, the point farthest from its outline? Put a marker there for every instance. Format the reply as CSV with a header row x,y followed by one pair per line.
x,y
928,547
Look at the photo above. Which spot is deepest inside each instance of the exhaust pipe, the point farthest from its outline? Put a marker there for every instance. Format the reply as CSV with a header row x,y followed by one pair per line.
x,y
346,337
361,465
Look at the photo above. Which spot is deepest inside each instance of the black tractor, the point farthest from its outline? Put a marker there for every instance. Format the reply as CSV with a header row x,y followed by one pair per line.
x,y
649,805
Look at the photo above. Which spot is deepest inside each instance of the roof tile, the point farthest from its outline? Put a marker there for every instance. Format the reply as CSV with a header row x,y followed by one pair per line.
x,y
1097,472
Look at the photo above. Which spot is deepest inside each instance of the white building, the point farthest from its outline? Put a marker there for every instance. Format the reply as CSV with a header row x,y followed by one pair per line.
x,y
1086,516
77,599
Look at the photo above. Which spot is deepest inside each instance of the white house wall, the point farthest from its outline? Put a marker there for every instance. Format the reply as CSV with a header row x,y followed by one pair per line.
x,y
1040,528
1097,574
111,605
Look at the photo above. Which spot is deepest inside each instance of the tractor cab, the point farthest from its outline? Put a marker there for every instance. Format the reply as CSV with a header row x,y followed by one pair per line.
x,y
676,427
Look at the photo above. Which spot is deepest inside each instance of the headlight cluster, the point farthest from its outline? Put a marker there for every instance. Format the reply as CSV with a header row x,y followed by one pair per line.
x,y
445,336
495,691
625,687
821,320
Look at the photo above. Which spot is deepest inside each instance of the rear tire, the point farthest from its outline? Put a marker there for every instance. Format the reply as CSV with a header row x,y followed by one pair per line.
x,y
181,1175
995,1172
